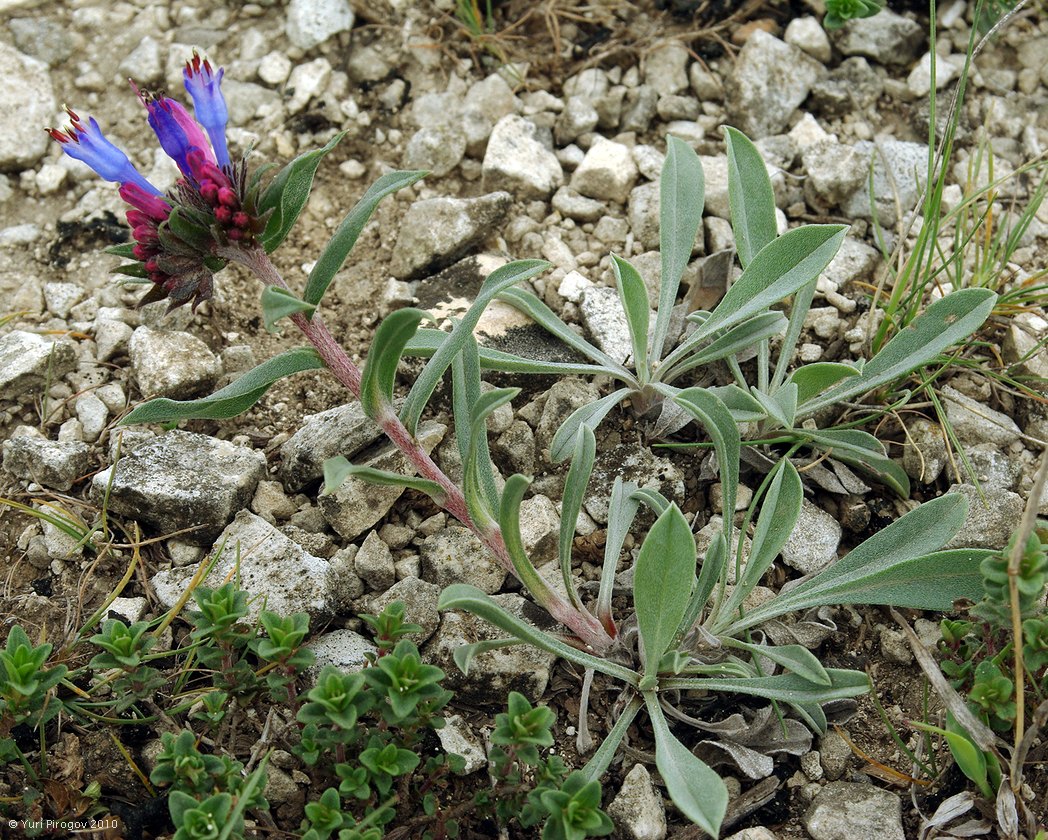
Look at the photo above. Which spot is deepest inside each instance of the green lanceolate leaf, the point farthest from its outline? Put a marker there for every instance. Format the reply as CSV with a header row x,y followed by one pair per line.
x,y
785,688
861,449
590,415
795,658
380,370
691,355
426,342
634,296
278,302
741,405
622,509
712,565
601,760
464,654
574,493
693,786
943,324
751,196
779,269
779,513
338,469
663,578
530,305
477,479
498,281
715,418
462,596
235,398
815,378
509,524
338,248
286,195
127,250
681,198
897,566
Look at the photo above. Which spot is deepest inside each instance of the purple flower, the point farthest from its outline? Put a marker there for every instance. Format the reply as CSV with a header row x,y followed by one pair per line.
x,y
176,130
87,143
204,86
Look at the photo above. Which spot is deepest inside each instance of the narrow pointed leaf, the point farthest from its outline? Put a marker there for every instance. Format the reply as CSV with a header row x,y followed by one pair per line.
x,y
380,370
509,524
236,398
861,449
499,280
945,323
287,193
712,566
653,499
465,381
530,305
815,378
681,198
694,787
601,760
634,296
338,469
779,269
733,341
590,415
785,688
741,405
464,654
715,418
622,509
343,240
478,467
796,658
427,340
574,494
750,195
462,596
799,308
278,302
779,512
663,577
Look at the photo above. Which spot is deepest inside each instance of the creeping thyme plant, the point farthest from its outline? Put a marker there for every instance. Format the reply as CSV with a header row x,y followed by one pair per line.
x,y
689,625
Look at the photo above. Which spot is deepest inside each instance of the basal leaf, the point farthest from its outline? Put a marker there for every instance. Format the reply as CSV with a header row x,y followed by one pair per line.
x,y
861,449
342,242
693,786
634,296
663,577
462,596
427,340
945,323
234,399
681,198
815,378
338,469
574,494
750,195
498,281
464,654
590,415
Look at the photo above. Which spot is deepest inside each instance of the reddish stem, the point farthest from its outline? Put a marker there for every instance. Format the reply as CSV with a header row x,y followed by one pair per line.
x,y
579,621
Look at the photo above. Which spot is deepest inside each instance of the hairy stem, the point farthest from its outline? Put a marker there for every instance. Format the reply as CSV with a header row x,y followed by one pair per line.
x,y
590,631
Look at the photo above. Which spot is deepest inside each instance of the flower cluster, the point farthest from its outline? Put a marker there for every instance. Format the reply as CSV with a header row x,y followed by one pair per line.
x,y
211,205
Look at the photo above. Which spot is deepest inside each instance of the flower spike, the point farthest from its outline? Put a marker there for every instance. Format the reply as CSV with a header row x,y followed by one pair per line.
x,y
85,142
204,86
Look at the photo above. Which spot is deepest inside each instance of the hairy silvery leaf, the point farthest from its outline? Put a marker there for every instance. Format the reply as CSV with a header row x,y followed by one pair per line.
x,y
590,415
946,322
380,369
571,504
693,786
286,194
236,398
338,469
545,317
498,281
750,195
343,240
277,303
663,578
426,342
681,197
634,297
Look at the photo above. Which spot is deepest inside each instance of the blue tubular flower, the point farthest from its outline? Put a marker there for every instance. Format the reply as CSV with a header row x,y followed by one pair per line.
x,y
175,129
204,85
87,143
